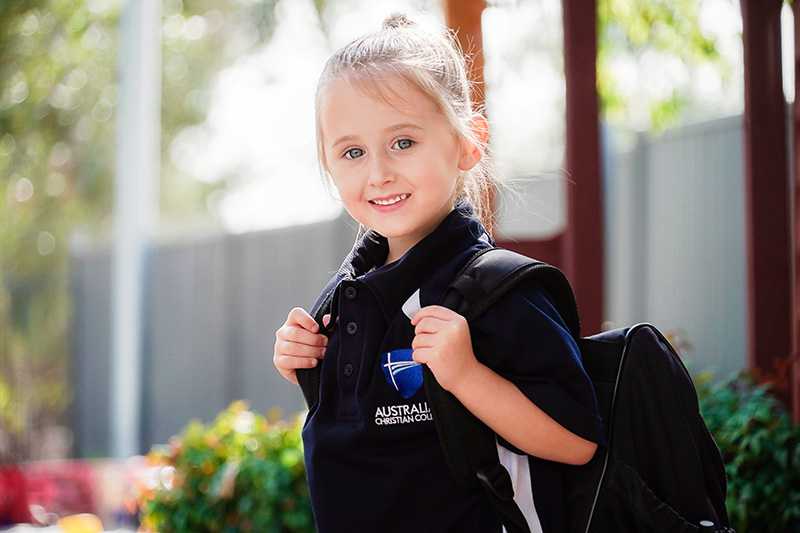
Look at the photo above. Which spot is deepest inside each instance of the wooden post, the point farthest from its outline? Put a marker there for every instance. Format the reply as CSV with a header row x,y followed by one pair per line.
x,y
767,197
464,17
795,179
583,243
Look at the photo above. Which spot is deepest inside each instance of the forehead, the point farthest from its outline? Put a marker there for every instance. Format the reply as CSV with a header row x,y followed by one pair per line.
x,y
349,105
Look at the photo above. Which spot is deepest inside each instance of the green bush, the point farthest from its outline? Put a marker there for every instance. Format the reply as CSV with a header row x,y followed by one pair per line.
x,y
761,449
241,473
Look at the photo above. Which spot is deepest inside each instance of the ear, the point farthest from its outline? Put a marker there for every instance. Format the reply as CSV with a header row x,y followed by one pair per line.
x,y
470,152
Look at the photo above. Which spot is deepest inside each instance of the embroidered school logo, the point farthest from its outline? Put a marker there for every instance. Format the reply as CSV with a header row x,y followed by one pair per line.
x,y
402,372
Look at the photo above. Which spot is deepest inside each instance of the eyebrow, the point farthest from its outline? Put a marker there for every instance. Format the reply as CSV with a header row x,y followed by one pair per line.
x,y
390,128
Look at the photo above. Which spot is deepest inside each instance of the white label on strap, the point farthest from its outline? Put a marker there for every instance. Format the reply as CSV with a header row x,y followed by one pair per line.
x,y
412,305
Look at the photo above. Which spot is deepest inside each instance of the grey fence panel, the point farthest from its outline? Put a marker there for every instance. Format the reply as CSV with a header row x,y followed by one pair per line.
x,y
212,306
278,270
625,242
90,339
677,255
186,350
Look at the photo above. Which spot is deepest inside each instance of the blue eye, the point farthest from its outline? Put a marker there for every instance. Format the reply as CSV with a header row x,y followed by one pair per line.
x,y
351,150
409,145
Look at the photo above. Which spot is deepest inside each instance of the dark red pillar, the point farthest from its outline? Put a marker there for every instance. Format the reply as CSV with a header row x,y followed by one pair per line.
x,y
795,178
767,191
583,238
464,17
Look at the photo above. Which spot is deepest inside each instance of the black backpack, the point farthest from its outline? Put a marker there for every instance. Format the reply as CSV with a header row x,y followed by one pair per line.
x,y
661,470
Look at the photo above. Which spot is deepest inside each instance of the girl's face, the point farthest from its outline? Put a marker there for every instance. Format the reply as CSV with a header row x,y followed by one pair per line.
x,y
377,151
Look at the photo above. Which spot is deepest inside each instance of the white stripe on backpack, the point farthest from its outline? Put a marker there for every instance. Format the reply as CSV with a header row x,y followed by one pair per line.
x,y
517,466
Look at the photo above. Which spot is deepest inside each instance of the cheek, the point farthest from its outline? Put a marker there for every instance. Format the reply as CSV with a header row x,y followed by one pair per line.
x,y
349,189
434,163
439,175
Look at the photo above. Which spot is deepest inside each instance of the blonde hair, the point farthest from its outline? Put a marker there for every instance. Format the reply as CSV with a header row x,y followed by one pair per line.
x,y
434,63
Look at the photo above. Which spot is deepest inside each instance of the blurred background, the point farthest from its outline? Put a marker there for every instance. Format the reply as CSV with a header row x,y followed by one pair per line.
x,y
161,210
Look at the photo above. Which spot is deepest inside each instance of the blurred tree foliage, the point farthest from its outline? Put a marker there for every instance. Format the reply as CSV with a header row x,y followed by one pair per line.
x,y
637,26
56,150
58,96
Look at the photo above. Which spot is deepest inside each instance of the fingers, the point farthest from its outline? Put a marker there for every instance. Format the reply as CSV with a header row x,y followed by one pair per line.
x,y
291,362
429,324
298,345
296,334
298,349
436,311
287,365
422,341
300,317
421,355
290,353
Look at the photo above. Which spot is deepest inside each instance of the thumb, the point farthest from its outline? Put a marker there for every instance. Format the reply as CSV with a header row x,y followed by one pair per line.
x,y
325,319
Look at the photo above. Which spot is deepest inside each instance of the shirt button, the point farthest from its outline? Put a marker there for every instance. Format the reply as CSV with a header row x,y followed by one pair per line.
x,y
350,292
348,369
352,327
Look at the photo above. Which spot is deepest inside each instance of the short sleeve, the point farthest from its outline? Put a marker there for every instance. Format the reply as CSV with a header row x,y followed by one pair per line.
x,y
523,338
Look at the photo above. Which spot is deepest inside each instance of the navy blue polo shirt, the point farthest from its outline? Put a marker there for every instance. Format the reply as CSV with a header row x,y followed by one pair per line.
x,y
373,458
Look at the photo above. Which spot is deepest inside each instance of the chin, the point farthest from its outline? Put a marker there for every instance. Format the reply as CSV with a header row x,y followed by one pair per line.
x,y
390,231
381,226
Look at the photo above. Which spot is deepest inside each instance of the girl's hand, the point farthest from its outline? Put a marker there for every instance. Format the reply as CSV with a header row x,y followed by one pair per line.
x,y
442,341
297,343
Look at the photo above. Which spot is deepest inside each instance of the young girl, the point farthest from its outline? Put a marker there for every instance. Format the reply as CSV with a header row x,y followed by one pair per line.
x,y
397,134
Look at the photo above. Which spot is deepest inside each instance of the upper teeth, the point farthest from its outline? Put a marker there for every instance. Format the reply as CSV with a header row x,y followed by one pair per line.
x,y
391,201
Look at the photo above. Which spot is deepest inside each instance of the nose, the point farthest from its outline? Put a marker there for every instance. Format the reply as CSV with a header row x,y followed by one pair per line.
x,y
380,171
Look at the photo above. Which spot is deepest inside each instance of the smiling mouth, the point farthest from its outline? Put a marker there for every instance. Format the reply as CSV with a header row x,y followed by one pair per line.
x,y
390,201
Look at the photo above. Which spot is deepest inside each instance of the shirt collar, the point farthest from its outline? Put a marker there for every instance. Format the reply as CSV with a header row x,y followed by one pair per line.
x,y
456,234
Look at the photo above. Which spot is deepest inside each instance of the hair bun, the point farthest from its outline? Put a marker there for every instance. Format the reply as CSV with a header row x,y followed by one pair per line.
x,y
396,20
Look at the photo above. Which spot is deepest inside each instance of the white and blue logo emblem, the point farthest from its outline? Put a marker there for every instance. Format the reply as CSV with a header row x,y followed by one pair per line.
x,y
402,372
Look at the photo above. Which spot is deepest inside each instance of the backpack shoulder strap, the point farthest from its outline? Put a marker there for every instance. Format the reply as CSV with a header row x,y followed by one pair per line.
x,y
469,445
492,272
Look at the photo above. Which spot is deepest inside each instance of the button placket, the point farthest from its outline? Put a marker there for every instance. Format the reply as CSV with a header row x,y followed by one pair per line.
x,y
353,345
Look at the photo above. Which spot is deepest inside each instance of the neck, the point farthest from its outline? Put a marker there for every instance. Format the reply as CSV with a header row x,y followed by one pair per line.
x,y
402,243
399,246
